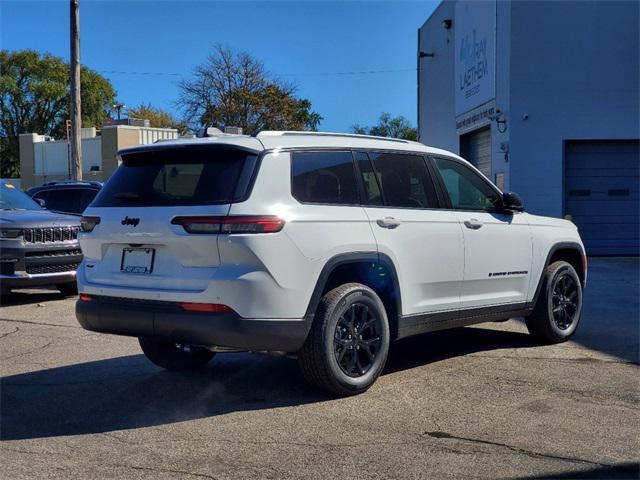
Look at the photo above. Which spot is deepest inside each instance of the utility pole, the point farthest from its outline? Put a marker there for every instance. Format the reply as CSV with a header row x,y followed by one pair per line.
x,y
76,114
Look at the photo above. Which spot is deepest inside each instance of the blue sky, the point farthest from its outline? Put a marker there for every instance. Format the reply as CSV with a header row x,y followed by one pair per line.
x,y
308,43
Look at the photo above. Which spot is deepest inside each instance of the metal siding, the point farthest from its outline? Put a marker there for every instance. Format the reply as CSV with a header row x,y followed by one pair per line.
x,y
602,194
476,148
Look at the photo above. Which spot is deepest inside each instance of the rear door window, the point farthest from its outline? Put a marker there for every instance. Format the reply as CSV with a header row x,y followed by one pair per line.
x,y
324,177
179,177
404,179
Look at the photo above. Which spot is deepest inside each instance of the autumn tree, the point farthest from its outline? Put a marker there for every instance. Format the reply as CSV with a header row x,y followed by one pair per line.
x,y
158,118
388,126
234,89
34,97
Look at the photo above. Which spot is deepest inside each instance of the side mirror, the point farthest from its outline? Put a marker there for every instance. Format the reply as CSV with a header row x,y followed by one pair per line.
x,y
41,202
511,202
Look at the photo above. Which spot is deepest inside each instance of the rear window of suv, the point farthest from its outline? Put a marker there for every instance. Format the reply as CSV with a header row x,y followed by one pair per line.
x,y
179,177
324,177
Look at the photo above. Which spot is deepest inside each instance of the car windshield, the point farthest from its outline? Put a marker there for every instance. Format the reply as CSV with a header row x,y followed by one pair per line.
x,y
11,198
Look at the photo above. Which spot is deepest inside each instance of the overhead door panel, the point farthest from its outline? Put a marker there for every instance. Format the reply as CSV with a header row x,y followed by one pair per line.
x,y
476,148
602,194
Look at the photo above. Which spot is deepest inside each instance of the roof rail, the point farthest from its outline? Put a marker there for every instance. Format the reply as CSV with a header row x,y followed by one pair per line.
x,y
273,133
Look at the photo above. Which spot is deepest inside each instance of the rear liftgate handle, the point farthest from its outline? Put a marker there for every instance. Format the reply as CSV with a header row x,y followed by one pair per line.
x,y
473,224
388,222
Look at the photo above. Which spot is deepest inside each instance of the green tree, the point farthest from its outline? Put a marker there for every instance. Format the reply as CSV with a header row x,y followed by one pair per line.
x,y
34,97
388,126
234,89
157,117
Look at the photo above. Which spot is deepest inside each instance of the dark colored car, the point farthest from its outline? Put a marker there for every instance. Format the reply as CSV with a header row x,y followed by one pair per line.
x,y
65,196
37,247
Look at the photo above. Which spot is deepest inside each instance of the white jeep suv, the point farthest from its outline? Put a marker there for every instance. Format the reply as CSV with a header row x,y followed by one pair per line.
x,y
325,246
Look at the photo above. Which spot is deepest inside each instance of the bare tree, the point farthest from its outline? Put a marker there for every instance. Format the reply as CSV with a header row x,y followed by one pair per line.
x,y
234,89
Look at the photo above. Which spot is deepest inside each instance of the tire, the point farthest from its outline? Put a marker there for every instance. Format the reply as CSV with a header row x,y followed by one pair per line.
x,y
556,314
173,356
347,347
68,289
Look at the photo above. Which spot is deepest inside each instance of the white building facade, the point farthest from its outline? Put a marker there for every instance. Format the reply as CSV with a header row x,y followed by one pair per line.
x,y
543,98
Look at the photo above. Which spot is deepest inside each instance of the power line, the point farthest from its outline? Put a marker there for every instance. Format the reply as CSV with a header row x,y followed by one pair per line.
x,y
310,74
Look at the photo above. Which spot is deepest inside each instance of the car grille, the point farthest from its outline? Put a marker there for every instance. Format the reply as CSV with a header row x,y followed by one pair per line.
x,y
50,235
55,253
38,269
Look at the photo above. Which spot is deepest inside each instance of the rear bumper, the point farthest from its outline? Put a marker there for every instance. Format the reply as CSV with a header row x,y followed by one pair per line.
x,y
167,320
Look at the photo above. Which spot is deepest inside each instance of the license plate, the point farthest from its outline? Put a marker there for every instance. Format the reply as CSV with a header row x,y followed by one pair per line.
x,y
137,260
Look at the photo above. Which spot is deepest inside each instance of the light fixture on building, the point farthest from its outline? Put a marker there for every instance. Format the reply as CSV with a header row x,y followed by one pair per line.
x,y
446,24
501,122
426,54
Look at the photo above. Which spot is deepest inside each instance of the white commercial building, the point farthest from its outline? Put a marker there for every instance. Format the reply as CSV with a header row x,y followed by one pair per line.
x,y
543,98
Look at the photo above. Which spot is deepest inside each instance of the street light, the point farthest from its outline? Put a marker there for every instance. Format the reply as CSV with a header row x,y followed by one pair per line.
x,y
118,107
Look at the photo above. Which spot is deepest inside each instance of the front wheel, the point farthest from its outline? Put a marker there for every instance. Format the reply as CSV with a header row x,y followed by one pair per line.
x,y
348,344
68,289
174,356
556,314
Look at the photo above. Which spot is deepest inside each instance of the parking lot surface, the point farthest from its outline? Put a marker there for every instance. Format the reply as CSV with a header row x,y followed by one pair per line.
x,y
478,402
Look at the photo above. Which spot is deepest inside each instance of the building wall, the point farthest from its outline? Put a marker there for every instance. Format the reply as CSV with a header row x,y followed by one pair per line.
x,y
570,67
43,160
574,72
436,116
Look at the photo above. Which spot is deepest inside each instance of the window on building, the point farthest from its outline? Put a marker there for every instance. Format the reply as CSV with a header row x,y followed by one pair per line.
x,y
324,177
404,180
467,190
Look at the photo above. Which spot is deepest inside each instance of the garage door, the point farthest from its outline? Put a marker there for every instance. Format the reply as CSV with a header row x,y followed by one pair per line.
x,y
476,147
601,194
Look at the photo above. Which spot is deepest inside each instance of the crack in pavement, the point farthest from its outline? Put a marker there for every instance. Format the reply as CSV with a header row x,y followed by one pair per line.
x,y
560,359
134,467
164,470
522,451
39,323
10,333
33,350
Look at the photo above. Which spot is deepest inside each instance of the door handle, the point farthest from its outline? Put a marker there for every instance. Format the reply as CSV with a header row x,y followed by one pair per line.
x,y
473,223
388,222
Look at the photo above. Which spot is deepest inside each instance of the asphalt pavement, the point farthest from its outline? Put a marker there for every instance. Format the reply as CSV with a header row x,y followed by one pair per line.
x,y
477,402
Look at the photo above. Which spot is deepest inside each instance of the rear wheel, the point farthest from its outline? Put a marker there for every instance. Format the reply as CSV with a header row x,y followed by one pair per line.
x,y
556,314
347,346
174,356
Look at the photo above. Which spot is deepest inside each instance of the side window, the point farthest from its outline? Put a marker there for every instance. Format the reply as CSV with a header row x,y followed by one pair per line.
x,y
324,177
405,180
467,189
372,192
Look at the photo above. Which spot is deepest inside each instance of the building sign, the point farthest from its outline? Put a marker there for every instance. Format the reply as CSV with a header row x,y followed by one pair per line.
x,y
475,61
475,118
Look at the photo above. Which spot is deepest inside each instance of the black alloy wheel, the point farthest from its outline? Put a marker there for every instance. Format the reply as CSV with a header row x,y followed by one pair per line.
x,y
564,301
357,339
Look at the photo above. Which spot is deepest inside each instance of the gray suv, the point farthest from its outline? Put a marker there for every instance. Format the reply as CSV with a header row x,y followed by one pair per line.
x,y
37,247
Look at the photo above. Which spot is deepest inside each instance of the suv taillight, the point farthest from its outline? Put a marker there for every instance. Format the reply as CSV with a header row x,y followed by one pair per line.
x,y
229,225
87,224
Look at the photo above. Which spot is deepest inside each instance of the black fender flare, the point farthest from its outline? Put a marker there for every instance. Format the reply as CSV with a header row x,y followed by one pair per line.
x,y
554,248
354,257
